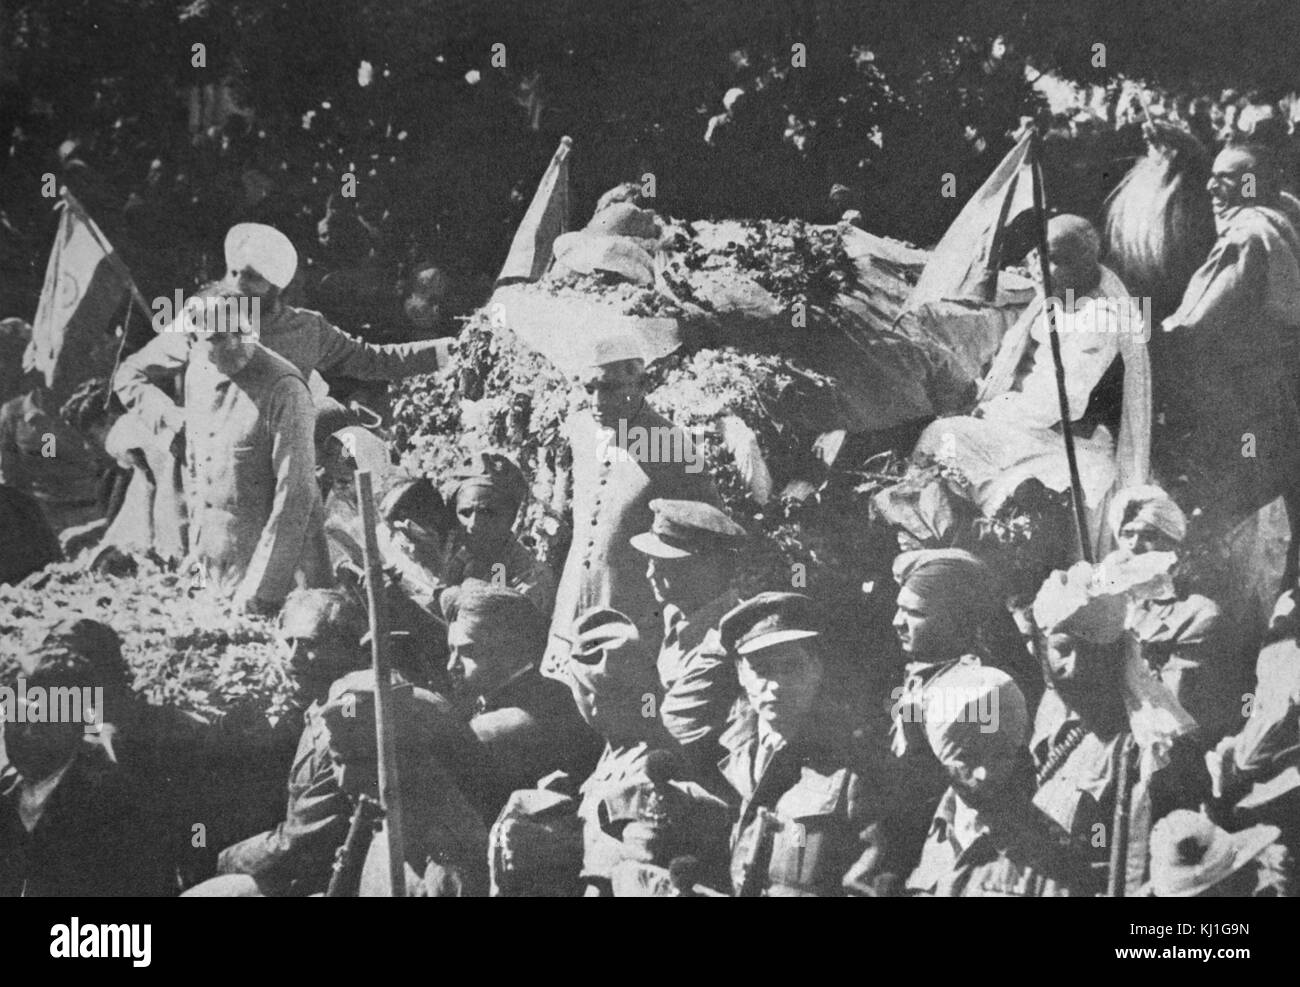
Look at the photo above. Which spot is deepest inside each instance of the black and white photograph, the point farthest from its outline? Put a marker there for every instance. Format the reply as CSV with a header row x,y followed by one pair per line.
x,y
707,448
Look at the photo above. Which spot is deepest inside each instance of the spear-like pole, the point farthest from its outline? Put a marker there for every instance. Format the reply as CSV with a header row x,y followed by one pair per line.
x,y
1076,486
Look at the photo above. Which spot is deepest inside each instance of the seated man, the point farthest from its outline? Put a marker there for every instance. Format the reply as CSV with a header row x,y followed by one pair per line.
x,y
1013,434
445,839
803,825
528,724
73,822
320,631
987,839
629,811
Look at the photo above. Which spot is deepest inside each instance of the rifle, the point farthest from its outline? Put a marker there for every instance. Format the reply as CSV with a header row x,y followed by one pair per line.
x,y
385,726
351,856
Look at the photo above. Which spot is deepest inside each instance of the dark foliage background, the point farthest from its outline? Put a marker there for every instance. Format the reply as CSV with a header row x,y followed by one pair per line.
x,y
893,96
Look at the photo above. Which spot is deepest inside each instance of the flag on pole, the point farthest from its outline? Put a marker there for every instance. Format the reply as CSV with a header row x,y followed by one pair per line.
x,y
546,219
85,284
964,266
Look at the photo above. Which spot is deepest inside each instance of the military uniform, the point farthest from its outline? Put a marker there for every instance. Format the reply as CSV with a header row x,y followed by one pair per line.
x,y
1183,641
697,676
612,490
255,506
804,822
804,827
295,857
1019,853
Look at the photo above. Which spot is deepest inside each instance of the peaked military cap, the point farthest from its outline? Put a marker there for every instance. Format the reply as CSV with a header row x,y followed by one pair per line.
x,y
766,620
687,527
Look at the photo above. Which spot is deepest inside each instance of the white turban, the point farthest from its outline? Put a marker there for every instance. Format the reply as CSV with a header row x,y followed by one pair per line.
x,y
1151,506
263,248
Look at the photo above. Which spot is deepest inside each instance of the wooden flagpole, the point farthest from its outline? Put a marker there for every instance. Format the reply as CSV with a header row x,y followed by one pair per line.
x,y
1076,485
118,265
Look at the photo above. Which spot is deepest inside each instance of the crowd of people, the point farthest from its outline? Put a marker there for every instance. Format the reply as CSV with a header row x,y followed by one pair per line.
x,y
632,725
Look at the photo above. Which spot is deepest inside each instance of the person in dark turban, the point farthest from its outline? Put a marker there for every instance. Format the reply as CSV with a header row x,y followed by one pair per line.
x,y
949,612
949,616
485,494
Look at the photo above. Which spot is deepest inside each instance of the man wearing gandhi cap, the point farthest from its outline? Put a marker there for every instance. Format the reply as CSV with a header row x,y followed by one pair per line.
x,y
615,476
691,550
803,826
1185,639
987,840
261,262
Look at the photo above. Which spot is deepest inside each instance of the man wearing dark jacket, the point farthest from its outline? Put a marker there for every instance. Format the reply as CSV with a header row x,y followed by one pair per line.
x,y
73,823
529,725
321,630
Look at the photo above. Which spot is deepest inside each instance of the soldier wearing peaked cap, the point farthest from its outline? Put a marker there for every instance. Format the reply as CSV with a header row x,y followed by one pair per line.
x,y
625,815
692,547
804,825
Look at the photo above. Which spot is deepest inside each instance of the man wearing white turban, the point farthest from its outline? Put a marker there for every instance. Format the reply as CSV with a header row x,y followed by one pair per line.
x,y
260,263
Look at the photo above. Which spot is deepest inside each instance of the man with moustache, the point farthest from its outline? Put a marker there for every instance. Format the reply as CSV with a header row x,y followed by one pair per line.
x,y
803,828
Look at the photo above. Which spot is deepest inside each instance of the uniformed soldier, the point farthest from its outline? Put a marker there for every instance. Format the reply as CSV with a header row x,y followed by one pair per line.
x,y
485,494
624,456
255,508
1183,637
804,823
320,632
692,558
987,839
1083,743
948,616
628,812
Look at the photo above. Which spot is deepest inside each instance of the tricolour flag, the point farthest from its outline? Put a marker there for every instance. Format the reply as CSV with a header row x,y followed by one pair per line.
x,y
964,265
547,217
85,284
